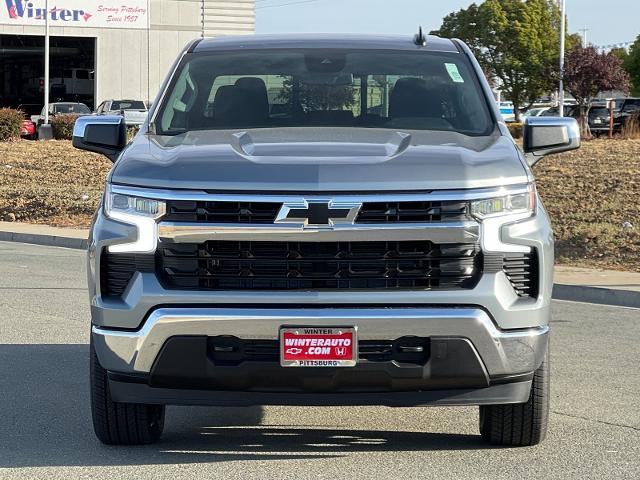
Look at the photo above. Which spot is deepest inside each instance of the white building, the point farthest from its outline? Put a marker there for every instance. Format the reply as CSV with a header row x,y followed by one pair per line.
x,y
103,49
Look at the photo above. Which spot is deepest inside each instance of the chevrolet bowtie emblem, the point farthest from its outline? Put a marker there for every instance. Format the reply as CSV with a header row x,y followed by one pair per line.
x,y
318,213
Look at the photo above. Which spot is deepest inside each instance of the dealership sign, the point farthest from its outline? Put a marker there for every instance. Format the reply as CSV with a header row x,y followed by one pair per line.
x,y
76,13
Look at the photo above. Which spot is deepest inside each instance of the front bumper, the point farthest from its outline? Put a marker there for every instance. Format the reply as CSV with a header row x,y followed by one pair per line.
x,y
468,353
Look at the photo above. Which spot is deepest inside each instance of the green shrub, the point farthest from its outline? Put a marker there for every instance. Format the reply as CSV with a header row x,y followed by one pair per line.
x,y
10,124
515,129
62,126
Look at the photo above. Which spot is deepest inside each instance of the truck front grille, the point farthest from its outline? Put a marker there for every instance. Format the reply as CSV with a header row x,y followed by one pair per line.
x,y
416,212
522,271
117,270
221,212
248,265
266,212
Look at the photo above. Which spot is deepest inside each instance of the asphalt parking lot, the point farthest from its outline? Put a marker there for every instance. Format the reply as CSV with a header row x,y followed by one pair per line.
x,y
45,425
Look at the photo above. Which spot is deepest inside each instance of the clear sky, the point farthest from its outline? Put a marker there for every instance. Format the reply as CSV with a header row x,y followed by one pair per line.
x,y
608,21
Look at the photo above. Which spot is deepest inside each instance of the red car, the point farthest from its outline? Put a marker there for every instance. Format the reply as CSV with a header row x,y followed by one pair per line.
x,y
28,129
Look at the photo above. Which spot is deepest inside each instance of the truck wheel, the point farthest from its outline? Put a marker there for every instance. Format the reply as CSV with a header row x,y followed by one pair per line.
x,y
121,423
520,424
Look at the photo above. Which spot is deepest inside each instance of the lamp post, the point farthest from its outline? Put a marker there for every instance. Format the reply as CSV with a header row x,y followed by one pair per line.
x,y
46,62
562,34
44,130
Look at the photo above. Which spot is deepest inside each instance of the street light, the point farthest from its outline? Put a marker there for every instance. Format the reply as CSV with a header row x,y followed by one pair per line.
x,y
44,131
562,34
46,62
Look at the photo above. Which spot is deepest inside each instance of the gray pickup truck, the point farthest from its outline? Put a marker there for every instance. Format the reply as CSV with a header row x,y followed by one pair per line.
x,y
321,220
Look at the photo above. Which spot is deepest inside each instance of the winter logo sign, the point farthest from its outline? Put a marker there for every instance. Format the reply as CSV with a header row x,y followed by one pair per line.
x,y
78,13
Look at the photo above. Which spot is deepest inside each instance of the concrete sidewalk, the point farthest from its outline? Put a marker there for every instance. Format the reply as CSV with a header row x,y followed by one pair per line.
x,y
608,287
43,235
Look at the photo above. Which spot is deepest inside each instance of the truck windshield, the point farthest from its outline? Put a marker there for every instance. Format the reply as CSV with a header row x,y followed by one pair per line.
x,y
325,88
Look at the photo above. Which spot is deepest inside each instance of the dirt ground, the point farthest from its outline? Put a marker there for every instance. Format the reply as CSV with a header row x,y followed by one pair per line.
x,y
592,195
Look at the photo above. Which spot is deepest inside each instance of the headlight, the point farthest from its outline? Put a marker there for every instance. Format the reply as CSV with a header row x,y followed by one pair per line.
x,y
120,204
510,203
138,211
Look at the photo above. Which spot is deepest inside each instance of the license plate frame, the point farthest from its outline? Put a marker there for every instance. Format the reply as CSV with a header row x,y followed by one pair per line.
x,y
303,357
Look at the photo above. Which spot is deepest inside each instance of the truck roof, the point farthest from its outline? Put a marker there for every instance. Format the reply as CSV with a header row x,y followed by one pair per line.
x,y
324,40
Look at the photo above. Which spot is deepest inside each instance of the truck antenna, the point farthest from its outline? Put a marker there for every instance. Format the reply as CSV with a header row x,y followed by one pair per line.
x,y
420,39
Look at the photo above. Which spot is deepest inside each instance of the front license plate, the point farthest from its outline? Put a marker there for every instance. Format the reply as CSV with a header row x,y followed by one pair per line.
x,y
318,346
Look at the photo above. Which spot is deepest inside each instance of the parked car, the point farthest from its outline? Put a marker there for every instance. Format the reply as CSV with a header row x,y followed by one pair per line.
x,y
507,111
535,112
342,256
571,111
28,129
599,118
64,108
625,109
134,111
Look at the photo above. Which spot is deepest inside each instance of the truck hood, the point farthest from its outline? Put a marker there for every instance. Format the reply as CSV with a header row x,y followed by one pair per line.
x,y
322,159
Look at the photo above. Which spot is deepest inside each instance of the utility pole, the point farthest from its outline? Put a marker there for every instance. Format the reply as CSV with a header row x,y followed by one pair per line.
x,y
562,35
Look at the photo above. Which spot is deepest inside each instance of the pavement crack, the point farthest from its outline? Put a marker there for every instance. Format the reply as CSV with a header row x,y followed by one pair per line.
x,y
612,424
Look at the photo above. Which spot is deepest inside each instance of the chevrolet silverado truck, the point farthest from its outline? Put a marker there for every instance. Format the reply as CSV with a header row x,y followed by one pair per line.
x,y
321,220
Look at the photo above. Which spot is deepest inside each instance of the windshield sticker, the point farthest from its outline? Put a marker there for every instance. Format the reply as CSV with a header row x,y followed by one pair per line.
x,y
452,69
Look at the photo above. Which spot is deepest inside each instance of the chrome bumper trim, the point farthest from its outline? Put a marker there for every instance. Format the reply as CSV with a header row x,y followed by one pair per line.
x,y
436,195
503,352
449,232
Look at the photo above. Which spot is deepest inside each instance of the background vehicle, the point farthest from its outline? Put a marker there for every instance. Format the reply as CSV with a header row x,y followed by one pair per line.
x,y
28,129
599,118
31,112
376,240
507,112
625,109
62,108
535,112
569,111
134,111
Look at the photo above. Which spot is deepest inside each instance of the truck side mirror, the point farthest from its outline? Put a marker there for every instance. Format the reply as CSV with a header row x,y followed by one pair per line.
x,y
548,135
101,134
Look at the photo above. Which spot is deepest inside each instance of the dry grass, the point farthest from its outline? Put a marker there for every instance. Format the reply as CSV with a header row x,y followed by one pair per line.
x,y
50,182
631,128
590,194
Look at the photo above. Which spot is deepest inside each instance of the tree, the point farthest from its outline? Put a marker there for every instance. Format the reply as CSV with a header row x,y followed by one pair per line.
x,y
587,73
632,65
518,41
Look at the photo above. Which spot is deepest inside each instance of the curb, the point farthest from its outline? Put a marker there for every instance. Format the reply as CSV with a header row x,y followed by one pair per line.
x,y
43,239
598,295
574,293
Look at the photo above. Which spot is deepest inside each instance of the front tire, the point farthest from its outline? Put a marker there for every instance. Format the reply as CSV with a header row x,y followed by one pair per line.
x,y
121,423
520,424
